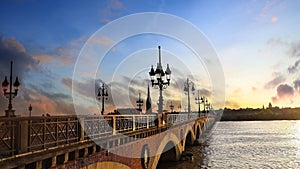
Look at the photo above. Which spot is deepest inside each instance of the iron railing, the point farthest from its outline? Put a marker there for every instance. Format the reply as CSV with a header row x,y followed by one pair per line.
x,y
24,134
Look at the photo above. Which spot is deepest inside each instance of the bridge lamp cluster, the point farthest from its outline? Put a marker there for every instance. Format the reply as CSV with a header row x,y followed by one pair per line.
x,y
8,91
160,79
102,94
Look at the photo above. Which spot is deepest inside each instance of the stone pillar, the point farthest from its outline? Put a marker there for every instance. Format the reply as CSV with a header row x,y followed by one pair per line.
x,y
53,164
66,159
133,123
22,136
159,119
86,152
94,149
114,125
10,113
82,128
166,118
147,122
39,165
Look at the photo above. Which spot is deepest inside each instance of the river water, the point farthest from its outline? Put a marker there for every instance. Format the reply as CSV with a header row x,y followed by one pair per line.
x,y
246,144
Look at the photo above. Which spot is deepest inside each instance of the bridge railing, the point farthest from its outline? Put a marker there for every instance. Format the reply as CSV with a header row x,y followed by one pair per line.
x,y
50,131
7,136
176,118
25,134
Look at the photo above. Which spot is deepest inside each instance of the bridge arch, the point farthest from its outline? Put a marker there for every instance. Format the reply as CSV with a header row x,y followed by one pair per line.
x,y
189,137
198,131
168,141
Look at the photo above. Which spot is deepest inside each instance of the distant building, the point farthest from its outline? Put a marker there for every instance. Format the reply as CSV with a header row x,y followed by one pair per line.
x,y
270,105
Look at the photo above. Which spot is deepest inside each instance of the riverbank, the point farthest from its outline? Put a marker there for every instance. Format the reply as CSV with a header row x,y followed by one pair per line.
x,y
261,114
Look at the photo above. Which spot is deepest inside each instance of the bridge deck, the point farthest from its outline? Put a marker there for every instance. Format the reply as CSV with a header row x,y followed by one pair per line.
x,y
29,140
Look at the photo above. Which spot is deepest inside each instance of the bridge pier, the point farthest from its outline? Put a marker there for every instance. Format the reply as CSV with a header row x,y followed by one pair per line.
x,y
94,149
39,165
66,157
86,151
53,163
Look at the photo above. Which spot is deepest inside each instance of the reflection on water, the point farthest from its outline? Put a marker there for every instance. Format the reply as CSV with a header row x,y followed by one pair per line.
x,y
250,144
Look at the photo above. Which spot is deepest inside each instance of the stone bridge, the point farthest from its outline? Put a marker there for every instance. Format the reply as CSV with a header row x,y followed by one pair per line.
x,y
114,141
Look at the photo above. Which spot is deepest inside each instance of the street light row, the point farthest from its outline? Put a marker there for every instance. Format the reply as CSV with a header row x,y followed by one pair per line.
x,y
160,79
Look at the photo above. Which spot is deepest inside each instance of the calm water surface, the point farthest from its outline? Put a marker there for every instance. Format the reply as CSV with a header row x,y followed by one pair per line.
x,y
247,144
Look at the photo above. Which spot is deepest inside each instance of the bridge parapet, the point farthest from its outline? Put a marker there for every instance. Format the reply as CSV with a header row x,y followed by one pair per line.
x,y
26,134
49,141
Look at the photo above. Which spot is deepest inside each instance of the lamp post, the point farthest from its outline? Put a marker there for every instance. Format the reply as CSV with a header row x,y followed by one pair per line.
x,y
189,86
139,103
30,109
199,101
102,92
8,93
206,105
172,107
162,81
208,108
203,100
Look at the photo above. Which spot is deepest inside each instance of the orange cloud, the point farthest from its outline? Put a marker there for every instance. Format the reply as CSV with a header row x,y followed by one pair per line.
x,y
113,9
232,104
274,19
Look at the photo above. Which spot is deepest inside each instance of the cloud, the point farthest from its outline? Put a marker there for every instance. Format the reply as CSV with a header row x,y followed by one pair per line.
x,y
62,56
43,102
294,50
277,42
102,41
278,78
232,104
205,92
112,10
274,19
294,68
297,85
40,94
267,7
67,82
13,50
284,92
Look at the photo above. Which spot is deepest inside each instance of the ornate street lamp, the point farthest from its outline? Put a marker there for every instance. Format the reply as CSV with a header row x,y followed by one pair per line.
x,y
179,108
160,79
199,101
208,108
206,105
172,107
8,93
189,86
139,103
102,94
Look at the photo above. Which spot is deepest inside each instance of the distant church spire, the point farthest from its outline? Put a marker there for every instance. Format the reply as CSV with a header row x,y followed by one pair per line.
x,y
148,102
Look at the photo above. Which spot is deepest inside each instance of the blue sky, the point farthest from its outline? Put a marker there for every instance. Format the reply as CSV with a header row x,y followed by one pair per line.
x,y
257,42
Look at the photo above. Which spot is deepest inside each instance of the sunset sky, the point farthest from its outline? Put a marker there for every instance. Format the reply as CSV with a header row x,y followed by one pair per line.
x,y
257,42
